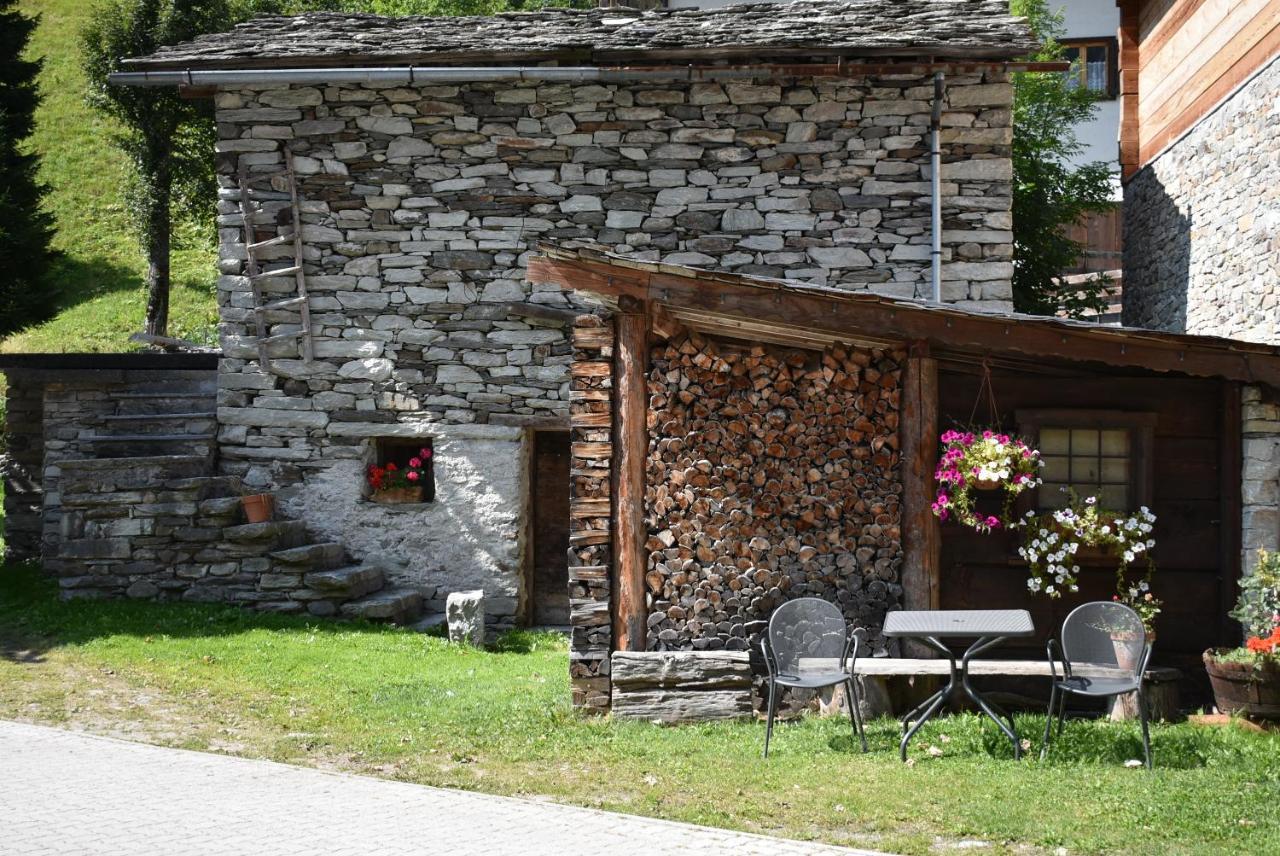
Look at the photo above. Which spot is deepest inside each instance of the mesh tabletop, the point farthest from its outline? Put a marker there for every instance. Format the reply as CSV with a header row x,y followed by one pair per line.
x,y
959,622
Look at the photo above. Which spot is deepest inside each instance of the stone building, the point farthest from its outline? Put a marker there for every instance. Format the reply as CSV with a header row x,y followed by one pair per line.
x,y
430,155
1200,148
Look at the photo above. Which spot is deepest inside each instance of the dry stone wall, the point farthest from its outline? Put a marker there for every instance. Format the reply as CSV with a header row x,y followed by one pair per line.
x,y
421,205
1202,224
771,475
20,465
1260,488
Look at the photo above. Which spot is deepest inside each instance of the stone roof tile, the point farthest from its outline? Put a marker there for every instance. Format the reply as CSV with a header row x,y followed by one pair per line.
x,y
945,29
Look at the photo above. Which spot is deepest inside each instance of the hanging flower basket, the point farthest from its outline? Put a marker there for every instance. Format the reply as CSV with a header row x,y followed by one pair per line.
x,y
982,462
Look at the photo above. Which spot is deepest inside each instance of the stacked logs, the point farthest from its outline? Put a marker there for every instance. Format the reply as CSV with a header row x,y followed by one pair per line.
x,y
591,421
771,474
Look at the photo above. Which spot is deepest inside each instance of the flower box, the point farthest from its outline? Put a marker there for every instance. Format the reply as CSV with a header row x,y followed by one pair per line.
x,y
398,495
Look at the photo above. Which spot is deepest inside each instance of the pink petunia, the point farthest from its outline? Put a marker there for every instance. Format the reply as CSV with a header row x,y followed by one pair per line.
x,y
411,475
415,462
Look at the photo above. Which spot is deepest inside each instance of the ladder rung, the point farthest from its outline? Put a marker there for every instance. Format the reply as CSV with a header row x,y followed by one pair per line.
x,y
289,271
271,242
271,173
281,304
281,337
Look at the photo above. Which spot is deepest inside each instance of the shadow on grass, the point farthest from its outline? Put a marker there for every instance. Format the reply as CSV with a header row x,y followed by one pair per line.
x,y
33,620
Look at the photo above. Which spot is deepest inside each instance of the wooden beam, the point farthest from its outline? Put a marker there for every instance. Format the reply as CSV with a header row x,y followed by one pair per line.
x,y
595,277
1230,530
630,446
663,323
921,537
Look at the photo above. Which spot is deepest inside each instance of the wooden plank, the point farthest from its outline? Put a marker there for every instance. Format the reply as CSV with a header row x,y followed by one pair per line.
x,y
832,315
681,669
631,445
591,420
589,368
908,667
1230,562
921,535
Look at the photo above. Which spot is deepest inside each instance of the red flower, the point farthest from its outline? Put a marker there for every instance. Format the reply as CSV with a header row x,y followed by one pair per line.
x,y
391,467
411,475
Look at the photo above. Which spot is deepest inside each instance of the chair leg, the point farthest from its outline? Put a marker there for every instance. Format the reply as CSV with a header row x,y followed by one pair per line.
x,y
855,715
1146,733
768,729
1062,711
1048,721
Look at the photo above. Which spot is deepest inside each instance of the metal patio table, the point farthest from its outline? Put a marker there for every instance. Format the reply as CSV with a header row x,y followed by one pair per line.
x,y
988,627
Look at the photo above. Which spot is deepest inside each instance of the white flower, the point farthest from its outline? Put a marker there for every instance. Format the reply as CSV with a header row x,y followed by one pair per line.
x,y
1048,589
1128,555
1150,544
1034,584
1075,587
1142,586
1105,529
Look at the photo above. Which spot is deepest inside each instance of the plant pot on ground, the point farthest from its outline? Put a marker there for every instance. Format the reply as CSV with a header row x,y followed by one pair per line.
x,y
259,507
1241,685
1246,680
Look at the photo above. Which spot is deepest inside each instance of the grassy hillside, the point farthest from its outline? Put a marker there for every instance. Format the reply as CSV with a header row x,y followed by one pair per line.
x,y
98,285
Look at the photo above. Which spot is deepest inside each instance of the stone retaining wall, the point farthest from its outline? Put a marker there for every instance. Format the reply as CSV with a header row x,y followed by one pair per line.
x,y
1202,224
421,205
20,465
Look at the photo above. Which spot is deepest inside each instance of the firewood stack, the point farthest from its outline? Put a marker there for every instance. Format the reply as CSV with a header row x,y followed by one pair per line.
x,y
590,416
772,474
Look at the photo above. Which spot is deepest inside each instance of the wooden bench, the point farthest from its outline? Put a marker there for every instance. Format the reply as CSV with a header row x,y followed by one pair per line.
x,y
1161,682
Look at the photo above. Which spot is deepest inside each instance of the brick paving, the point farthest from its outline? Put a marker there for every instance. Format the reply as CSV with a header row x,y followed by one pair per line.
x,y
64,793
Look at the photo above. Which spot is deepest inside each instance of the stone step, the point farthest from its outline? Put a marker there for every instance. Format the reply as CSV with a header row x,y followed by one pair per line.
x,y
123,472
349,583
280,533
397,605
320,556
186,416
144,404
429,622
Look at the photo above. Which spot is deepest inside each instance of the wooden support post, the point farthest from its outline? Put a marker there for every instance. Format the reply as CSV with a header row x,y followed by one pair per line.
x,y
922,540
630,447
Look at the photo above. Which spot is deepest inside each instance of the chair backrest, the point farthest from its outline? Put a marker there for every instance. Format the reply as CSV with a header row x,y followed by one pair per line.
x,y
1104,633
806,627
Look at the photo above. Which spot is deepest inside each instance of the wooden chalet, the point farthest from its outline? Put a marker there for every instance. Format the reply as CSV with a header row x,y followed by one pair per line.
x,y
738,441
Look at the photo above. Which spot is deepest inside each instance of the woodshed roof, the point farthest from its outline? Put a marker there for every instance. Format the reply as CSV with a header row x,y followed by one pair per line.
x,y
942,29
804,315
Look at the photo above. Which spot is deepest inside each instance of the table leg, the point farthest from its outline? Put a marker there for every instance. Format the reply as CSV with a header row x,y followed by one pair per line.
x,y
997,715
931,705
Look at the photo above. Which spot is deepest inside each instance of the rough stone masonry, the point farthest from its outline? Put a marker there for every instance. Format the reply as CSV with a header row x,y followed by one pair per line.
x,y
421,205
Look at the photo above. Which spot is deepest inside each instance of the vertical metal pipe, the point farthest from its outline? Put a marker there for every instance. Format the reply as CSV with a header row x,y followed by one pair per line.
x,y
935,174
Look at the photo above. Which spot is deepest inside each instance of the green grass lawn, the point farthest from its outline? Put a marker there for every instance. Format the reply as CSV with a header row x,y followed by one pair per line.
x,y
408,706
98,284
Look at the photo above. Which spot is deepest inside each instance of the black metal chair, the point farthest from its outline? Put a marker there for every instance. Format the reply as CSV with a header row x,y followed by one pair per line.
x,y
810,628
1104,653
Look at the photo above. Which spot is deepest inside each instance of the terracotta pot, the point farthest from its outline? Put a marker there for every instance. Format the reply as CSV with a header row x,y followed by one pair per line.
x,y
1242,688
987,484
259,507
1126,657
398,495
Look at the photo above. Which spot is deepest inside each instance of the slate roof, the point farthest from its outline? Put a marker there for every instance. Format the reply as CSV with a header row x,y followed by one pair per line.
x,y
943,29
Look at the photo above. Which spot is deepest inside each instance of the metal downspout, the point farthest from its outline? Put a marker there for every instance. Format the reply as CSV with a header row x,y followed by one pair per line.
x,y
935,182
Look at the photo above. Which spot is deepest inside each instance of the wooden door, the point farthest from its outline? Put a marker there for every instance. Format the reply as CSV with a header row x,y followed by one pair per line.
x,y
549,498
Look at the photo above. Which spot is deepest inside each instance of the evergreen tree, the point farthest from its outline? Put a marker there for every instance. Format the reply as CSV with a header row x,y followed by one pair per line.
x,y
25,229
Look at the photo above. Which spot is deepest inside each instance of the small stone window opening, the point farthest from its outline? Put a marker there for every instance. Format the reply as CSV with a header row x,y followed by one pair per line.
x,y
401,451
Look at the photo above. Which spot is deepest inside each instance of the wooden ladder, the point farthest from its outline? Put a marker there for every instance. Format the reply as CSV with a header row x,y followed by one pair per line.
x,y
249,209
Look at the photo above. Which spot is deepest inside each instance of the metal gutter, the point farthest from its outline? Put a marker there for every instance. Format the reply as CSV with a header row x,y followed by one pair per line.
x,y
935,189
410,74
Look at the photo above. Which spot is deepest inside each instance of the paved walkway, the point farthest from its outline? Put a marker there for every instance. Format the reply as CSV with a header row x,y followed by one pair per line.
x,y
64,793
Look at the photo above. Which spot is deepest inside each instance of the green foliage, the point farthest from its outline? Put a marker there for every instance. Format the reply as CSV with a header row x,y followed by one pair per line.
x,y
26,229
397,704
1049,194
1258,609
167,138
